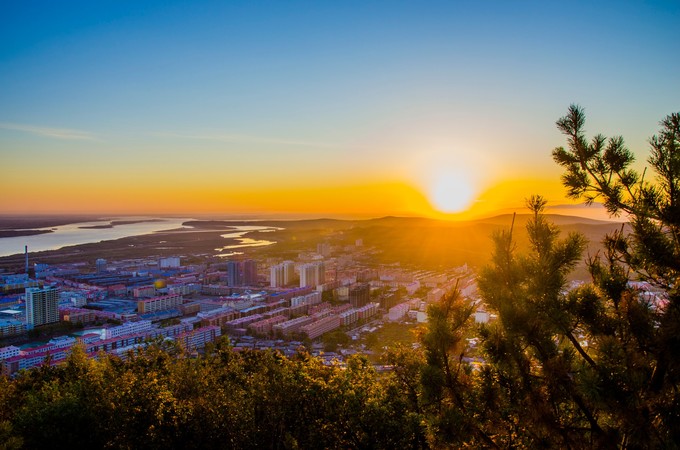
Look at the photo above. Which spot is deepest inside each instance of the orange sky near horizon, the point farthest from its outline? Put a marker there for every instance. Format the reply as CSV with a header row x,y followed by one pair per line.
x,y
358,200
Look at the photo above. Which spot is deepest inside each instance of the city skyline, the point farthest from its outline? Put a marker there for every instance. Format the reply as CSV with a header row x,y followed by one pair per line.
x,y
318,109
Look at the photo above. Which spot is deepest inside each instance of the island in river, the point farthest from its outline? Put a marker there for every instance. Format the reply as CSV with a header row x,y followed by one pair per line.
x,y
114,223
17,233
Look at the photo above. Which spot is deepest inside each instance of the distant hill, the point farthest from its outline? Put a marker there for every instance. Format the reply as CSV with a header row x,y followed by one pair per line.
x,y
433,244
557,219
500,220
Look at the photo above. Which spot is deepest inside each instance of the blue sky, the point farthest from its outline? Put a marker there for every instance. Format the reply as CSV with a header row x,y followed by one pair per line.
x,y
280,92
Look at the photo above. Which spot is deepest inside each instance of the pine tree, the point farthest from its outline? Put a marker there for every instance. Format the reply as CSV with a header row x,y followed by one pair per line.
x,y
635,336
533,350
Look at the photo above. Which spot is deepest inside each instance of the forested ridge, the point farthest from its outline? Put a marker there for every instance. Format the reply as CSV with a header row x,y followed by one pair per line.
x,y
593,367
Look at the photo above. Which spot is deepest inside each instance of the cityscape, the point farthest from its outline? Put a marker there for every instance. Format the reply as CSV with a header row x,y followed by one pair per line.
x,y
339,225
117,307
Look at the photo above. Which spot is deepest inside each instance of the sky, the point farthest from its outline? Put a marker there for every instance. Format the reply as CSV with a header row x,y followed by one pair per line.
x,y
344,108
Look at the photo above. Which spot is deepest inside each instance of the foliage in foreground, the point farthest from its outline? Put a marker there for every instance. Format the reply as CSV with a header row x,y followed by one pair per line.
x,y
253,399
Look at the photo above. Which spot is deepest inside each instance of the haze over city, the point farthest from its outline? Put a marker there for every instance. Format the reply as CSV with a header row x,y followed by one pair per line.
x,y
307,108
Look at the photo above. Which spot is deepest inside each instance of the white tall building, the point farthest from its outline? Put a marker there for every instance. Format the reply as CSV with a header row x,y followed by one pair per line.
x,y
312,274
276,276
288,272
101,265
42,306
282,274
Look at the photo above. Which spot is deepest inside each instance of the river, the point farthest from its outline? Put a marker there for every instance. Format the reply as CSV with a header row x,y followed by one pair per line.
x,y
238,233
73,234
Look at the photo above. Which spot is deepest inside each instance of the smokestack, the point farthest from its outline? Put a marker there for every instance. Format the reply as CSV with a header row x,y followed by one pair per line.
x,y
26,253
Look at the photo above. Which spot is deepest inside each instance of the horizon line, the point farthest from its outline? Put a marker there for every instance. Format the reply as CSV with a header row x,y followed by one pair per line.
x,y
293,216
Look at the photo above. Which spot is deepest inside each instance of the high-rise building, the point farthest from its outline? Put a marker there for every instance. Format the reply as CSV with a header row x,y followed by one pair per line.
x,y
320,273
359,295
234,273
42,306
282,274
307,275
101,265
312,274
249,272
276,278
288,272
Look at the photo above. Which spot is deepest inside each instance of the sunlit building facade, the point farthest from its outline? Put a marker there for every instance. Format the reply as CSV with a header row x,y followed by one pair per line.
x,y
312,274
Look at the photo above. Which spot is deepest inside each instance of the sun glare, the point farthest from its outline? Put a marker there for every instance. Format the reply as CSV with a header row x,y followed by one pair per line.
x,y
451,192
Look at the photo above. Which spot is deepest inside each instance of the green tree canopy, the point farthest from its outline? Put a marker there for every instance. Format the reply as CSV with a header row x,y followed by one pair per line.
x,y
635,337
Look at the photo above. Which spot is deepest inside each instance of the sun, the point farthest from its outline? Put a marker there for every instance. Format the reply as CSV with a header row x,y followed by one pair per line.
x,y
451,192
